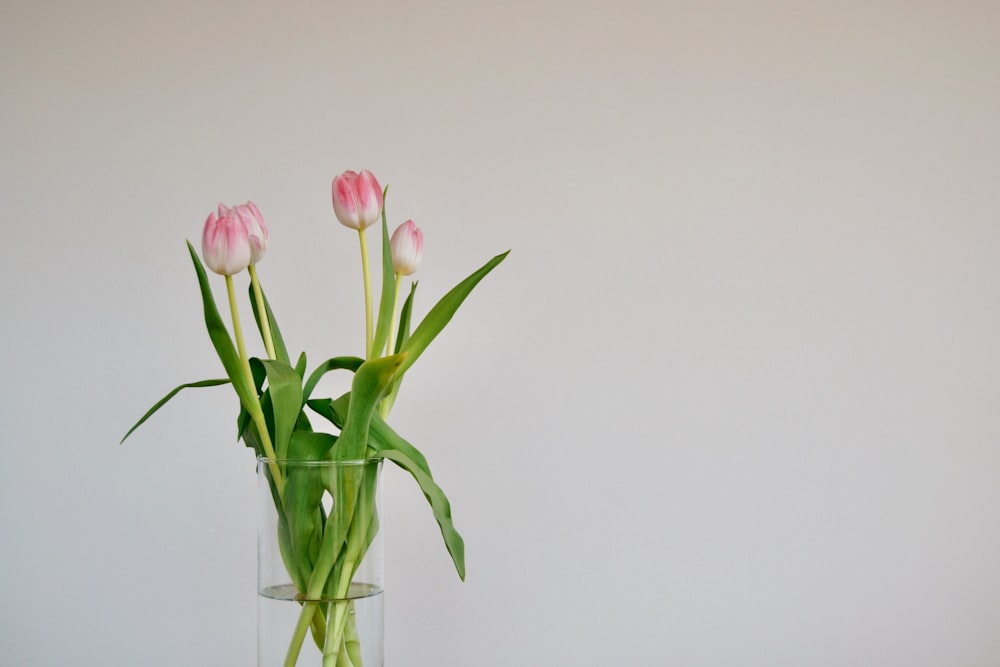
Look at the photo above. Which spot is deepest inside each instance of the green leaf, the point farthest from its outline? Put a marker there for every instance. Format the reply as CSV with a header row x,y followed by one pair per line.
x,y
370,381
389,444
387,300
244,424
441,314
221,341
160,403
280,351
323,407
310,446
403,333
405,315
358,537
284,388
302,504
439,505
337,363
381,435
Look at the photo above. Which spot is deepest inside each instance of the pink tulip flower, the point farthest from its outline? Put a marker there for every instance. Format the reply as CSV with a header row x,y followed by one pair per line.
x,y
225,242
407,246
256,229
357,199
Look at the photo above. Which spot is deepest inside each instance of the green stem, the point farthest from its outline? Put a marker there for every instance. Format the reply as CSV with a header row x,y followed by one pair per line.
x,y
352,641
338,617
238,330
265,324
255,412
343,659
368,293
305,620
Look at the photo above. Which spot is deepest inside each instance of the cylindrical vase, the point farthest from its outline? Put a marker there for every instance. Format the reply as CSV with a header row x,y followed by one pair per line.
x,y
319,564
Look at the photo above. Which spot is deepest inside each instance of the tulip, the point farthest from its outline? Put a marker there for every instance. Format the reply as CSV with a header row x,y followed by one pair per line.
x,y
225,242
256,230
357,199
407,245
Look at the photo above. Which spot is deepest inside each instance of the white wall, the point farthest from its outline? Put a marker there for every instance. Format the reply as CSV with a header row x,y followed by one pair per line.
x,y
732,400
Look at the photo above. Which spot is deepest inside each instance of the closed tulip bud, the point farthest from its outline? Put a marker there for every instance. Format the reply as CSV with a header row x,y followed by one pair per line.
x,y
407,246
357,199
256,229
225,242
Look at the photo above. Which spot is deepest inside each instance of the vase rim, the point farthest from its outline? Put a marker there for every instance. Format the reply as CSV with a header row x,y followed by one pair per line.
x,y
322,462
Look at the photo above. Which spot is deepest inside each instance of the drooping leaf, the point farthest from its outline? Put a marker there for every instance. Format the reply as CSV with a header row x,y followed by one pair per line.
x,y
173,392
389,444
381,435
439,505
337,363
441,314
280,351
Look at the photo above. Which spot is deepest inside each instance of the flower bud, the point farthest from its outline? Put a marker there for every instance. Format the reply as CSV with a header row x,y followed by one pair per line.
x,y
250,215
225,242
407,246
357,199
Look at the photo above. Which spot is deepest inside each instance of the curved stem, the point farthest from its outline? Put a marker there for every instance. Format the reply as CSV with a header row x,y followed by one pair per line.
x,y
368,293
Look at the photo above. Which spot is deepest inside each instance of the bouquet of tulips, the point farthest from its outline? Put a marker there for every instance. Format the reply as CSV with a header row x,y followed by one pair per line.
x,y
321,550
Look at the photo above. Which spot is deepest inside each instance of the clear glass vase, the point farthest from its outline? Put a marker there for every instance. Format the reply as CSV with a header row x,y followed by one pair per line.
x,y
319,564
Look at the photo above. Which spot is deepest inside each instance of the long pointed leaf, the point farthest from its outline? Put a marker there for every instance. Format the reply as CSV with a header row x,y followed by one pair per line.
x,y
441,314
405,316
280,351
403,333
160,403
387,300
439,505
221,341
284,387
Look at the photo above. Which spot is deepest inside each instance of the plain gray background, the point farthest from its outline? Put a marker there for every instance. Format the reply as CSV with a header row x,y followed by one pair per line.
x,y
732,400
